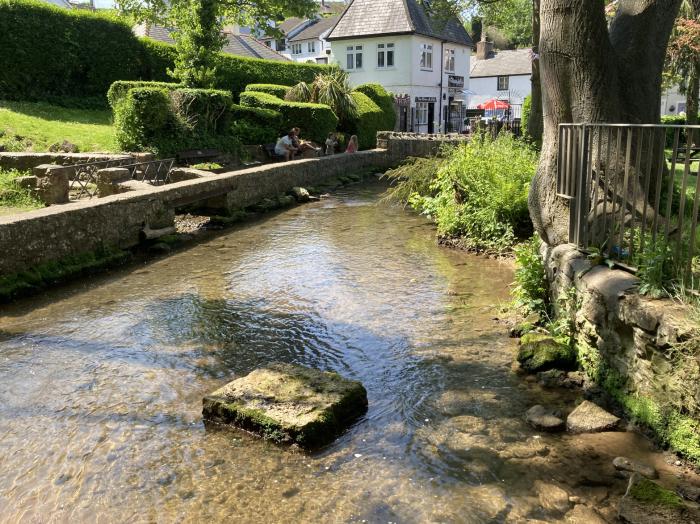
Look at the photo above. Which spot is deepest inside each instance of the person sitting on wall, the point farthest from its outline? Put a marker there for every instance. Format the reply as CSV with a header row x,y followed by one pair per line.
x,y
302,145
331,144
352,145
285,146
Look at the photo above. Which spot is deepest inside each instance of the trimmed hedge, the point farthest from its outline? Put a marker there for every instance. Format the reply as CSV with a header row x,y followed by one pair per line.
x,y
206,111
252,125
271,89
384,100
119,89
48,53
370,119
315,120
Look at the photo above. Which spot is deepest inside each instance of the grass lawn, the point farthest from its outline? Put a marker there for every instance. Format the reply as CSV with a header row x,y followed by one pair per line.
x,y
14,199
34,126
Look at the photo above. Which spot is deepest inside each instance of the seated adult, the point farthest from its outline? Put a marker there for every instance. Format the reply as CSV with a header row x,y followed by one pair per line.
x,y
285,146
302,145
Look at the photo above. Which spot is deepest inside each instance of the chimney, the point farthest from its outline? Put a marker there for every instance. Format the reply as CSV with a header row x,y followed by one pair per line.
x,y
484,49
232,29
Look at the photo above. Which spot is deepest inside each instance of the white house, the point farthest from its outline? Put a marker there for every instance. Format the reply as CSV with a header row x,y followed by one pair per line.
x,y
502,75
310,44
672,102
425,64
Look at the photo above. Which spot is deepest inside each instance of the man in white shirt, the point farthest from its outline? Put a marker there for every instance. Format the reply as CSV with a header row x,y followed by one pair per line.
x,y
285,146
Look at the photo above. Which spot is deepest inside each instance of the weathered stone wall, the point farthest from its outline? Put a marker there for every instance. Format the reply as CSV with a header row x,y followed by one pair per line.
x,y
56,232
27,161
402,145
648,344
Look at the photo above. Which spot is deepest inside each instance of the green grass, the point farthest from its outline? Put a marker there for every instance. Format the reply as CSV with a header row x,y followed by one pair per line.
x,y
35,126
14,199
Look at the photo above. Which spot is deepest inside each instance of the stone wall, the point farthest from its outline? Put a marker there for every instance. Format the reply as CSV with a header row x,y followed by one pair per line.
x,y
645,350
56,232
27,161
402,145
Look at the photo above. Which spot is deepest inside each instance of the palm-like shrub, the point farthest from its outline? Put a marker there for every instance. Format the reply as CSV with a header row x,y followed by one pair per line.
x,y
331,89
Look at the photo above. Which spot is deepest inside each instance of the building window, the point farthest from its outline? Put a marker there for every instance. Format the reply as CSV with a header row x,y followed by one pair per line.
x,y
426,57
296,49
281,45
385,55
311,47
502,83
450,60
354,57
268,43
421,113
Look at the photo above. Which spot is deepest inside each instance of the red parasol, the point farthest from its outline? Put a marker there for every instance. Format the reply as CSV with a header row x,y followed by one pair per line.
x,y
494,104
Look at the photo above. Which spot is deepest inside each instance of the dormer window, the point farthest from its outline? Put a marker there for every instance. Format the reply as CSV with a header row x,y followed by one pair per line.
x,y
426,57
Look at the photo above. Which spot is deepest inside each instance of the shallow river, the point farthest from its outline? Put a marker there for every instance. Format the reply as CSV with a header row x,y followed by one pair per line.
x,y
101,384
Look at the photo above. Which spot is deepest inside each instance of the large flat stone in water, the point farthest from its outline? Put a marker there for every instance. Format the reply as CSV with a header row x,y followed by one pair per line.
x,y
289,403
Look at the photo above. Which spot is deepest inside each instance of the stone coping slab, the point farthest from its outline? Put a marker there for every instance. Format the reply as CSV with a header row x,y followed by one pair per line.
x,y
288,403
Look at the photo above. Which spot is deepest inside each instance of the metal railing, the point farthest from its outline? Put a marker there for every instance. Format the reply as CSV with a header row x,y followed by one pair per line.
x,y
632,192
82,178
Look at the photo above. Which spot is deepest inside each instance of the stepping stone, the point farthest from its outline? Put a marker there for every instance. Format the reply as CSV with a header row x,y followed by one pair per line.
x,y
625,464
539,352
288,403
590,418
539,418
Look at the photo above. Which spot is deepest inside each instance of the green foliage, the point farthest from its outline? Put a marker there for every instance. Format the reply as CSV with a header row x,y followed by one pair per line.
x,y
119,89
525,116
315,120
14,197
414,176
384,100
480,193
511,18
46,51
271,89
674,120
655,269
198,39
143,120
369,119
530,292
203,111
252,125
331,88
650,492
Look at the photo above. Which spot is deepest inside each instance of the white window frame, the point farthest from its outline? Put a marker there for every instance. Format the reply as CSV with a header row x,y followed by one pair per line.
x,y
296,49
386,55
352,53
449,60
311,46
426,57
421,113
502,83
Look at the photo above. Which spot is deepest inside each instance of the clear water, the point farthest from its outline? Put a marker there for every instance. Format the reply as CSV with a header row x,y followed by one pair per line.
x,y
101,384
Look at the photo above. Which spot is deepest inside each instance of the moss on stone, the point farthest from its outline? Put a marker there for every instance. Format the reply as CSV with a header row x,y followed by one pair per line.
x,y
683,435
540,352
40,276
644,490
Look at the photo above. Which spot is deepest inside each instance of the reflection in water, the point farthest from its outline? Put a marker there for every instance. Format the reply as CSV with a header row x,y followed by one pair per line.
x,y
101,384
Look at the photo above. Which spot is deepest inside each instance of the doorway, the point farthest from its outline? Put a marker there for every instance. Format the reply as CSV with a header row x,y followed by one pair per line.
x,y
431,118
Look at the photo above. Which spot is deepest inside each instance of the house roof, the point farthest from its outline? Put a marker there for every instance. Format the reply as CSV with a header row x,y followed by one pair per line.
x,y
290,24
504,63
315,30
386,17
236,44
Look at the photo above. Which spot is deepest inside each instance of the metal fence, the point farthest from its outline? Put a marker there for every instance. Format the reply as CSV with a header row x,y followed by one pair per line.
x,y
632,192
82,178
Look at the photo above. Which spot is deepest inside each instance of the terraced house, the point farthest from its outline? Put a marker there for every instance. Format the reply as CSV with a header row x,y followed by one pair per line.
x,y
423,61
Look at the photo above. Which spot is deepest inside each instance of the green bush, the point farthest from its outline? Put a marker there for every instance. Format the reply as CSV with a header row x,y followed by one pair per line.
x,y
315,120
204,111
480,193
252,125
384,100
271,89
525,116
530,289
118,90
370,119
55,54
144,119
674,120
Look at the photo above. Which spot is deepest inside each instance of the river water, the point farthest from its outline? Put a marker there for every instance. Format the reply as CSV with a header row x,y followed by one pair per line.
x,y
101,384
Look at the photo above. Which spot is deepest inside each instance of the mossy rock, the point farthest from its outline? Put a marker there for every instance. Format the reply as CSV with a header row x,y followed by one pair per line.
x,y
287,403
645,490
539,352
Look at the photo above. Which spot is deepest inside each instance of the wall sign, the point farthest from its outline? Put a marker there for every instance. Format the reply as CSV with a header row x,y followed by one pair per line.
x,y
426,99
455,81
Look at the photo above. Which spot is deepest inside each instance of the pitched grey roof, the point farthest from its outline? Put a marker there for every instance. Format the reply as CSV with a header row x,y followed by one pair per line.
x,y
504,63
239,45
290,24
315,30
385,17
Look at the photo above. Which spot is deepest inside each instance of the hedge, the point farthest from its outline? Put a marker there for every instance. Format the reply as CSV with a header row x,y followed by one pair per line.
x,y
49,53
370,119
252,125
271,89
384,100
206,111
674,120
315,120
118,90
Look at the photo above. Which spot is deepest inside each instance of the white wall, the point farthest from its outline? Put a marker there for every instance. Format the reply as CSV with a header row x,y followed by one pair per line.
x,y
486,88
672,99
321,47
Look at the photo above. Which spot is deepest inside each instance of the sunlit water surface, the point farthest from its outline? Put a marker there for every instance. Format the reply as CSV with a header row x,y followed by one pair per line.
x,y
101,383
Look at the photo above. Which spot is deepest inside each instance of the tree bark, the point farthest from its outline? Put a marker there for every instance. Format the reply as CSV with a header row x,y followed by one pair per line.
x,y
692,94
535,123
595,74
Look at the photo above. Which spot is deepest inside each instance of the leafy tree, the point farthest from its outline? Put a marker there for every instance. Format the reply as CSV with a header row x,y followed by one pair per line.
x,y
683,57
512,18
332,89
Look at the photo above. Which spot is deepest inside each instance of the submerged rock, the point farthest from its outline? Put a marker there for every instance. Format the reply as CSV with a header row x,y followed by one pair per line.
x,y
648,503
590,418
625,464
539,352
540,418
288,403
552,497
583,515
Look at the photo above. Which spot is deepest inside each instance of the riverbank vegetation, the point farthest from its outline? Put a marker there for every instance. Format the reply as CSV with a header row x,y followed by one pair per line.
x,y
476,192
14,198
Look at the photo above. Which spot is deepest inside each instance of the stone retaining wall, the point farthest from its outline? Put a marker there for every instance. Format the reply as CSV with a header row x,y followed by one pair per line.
x,y
402,145
643,348
27,161
56,232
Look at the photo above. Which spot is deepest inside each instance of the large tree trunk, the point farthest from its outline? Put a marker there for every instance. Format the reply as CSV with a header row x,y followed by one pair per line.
x,y
535,123
594,73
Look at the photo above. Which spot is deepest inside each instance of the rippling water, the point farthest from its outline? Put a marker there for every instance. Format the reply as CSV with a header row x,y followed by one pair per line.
x,y
101,383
